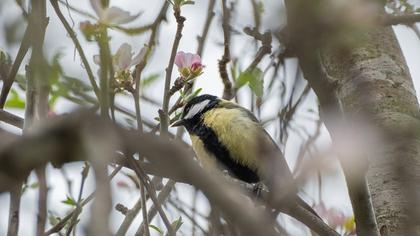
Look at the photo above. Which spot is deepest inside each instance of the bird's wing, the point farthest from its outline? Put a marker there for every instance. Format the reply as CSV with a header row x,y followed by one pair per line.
x,y
243,134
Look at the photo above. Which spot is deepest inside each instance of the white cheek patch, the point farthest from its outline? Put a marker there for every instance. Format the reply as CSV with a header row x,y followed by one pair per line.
x,y
197,108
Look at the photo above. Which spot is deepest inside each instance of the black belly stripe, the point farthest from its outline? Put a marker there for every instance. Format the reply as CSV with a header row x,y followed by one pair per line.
x,y
213,145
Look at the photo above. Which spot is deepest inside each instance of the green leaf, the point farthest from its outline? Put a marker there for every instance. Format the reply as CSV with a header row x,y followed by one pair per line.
x,y
177,224
52,218
233,71
54,70
14,100
243,79
34,185
196,92
156,228
75,84
149,80
188,3
253,79
24,188
70,201
256,83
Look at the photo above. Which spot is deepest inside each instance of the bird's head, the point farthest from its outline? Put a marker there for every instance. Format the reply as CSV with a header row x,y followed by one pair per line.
x,y
194,109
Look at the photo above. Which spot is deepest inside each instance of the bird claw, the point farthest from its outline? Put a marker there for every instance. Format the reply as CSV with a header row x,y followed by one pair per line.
x,y
258,189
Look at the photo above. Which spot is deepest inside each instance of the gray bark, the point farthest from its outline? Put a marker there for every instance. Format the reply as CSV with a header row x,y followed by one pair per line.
x,y
373,79
368,78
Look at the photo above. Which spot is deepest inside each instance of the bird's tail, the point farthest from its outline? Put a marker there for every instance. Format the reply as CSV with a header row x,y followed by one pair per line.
x,y
302,212
306,206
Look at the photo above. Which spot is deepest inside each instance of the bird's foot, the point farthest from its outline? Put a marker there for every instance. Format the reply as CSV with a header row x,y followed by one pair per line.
x,y
258,189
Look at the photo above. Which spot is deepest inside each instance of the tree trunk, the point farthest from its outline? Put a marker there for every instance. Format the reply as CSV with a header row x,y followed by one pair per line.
x,y
367,78
373,78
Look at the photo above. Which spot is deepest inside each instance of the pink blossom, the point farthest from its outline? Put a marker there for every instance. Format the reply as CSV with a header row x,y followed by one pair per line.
x,y
334,217
111,15
123,59
122,184
188,64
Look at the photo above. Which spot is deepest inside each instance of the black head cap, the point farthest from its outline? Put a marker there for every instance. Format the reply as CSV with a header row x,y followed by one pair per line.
x,y
195,108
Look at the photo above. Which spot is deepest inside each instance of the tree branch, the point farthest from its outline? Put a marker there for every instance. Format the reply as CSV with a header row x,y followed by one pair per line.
x,y
228,92
11,119
23,49
406,19
202,39
164,122
60,142
79,48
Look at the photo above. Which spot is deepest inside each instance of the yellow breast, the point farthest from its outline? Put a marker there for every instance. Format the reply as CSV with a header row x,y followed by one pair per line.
x,y
206,159
237,132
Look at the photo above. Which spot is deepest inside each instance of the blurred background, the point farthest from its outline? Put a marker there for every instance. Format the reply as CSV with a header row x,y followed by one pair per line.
x,y
282,79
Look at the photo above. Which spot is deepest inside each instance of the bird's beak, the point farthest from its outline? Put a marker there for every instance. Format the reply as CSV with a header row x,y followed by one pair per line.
x,y
178,123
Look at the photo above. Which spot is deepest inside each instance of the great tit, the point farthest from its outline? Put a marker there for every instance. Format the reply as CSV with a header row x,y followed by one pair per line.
x,y
226,135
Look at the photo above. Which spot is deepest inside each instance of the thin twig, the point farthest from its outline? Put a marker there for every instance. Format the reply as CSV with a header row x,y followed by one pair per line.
x,y
152,193
228,92
79,11
60,225
105,76
406,19
142,64
202,39
144,210
164,122
14,210
190,217
129,218
79,208
37,92
265,48
79,48
23,49
11,119
163,195
100,152
42,200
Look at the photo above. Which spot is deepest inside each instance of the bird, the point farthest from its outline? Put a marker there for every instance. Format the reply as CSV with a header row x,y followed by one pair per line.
x,y
225,135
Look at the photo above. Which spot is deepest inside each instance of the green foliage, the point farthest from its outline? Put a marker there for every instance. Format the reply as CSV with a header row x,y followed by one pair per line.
x,y
69,201
5,58
14,100
149,80
54,73
186,97
157,229
25,187
52,218
253,79
5,64
176,224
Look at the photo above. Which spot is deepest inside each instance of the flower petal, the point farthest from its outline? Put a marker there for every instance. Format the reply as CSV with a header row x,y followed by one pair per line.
x,y
188,59
116,16
97,7
180,59
122,58
196,59
136,60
